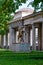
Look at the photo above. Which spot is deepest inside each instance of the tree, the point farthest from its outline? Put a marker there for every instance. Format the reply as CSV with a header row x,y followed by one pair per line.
x,y
6,8
37,4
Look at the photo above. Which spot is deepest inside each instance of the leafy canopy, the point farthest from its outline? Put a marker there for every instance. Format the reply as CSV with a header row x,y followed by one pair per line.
x,y
6,8
9,6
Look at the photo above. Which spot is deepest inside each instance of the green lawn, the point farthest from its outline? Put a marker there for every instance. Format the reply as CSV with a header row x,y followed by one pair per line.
x,y
11,58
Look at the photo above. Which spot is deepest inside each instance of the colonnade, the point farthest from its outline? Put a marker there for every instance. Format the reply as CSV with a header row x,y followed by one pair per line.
x,y
27,34
37,41
4,40
10,37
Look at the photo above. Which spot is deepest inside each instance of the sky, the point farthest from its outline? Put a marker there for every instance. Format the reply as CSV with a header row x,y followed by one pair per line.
x,y
25,5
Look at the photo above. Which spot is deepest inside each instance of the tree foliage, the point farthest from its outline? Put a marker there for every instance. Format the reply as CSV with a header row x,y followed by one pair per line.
x,y
9,6
6,8
37,4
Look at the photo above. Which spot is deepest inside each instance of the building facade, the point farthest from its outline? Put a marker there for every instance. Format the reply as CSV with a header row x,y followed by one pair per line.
x,y
25,32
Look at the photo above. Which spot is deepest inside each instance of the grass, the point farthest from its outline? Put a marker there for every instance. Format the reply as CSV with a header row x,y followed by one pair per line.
x,y
11,58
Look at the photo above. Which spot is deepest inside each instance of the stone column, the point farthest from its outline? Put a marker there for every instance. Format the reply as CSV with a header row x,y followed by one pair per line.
x,y
27,35
4,40
42,36
24,35
33,38
30,37
10,40
12,37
